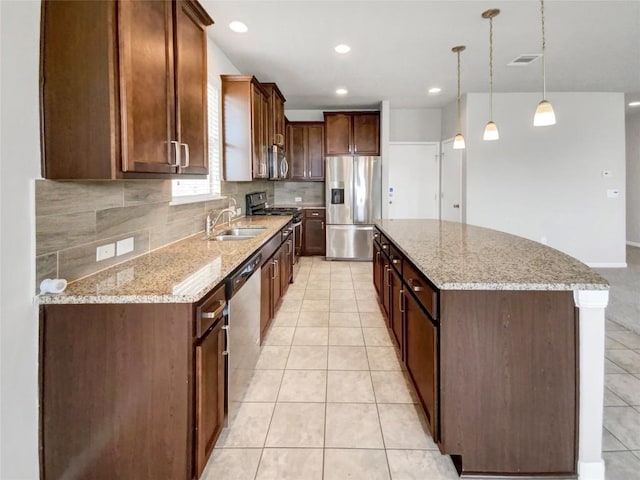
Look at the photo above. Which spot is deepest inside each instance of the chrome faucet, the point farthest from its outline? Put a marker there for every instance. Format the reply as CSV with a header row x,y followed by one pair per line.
x,y
212,224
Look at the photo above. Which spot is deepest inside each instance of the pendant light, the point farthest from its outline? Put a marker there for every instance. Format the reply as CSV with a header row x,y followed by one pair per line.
x,y
491,130
544,115
458,140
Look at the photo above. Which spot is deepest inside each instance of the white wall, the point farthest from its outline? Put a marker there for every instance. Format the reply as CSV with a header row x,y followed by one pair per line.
x,y
218,63
20,165
547,182
304,115
415,124
385,129
633,176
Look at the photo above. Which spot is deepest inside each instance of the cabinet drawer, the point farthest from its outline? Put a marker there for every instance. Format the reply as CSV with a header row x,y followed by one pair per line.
x,y
314,212
385,245
209,310
396,258
377,236
426,294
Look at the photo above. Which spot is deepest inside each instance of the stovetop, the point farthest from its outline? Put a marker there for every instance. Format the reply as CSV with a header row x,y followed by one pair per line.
x,y
257,205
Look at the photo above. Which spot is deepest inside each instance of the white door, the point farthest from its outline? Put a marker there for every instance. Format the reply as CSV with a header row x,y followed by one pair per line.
x,y
413,180
451,185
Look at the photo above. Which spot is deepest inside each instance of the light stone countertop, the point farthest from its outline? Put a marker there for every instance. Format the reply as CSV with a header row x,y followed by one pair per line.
x,y
456,256
299,204
182,272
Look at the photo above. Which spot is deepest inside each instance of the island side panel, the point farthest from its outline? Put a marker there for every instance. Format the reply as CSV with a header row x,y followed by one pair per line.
x,y
116,393
509,381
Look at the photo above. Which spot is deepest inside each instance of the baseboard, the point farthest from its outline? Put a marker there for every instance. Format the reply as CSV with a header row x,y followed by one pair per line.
x,y
608,265
633,244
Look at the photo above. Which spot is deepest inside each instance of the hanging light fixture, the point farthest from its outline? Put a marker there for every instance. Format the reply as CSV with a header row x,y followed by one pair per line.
x,y
544,115
458,140
491,130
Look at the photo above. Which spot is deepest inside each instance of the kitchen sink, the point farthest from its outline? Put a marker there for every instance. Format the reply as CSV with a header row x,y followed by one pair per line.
x,y
238,233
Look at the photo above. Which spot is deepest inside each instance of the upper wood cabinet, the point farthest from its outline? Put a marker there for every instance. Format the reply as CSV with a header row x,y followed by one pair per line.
x,y
305,151
352,133
123,89
276,125
244,128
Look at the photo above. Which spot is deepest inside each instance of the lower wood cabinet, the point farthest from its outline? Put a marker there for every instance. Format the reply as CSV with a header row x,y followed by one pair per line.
x,y
377,268
314,234
396,315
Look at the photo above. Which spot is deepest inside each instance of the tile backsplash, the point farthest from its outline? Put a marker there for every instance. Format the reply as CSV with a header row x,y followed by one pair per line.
x,y
311,193
74,218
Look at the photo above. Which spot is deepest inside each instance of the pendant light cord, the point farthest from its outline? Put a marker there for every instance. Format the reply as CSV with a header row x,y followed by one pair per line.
x,y
491,69
544,46
458,91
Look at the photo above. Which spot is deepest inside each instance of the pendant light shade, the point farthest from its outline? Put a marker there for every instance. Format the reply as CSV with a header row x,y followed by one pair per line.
x,y
491,130
458,141
544,115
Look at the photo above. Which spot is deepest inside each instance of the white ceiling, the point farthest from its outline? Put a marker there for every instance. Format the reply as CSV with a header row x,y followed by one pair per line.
x,y
401,48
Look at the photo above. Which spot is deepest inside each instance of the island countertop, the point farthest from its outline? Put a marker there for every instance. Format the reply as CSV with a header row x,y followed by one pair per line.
x,y
182,272
457,256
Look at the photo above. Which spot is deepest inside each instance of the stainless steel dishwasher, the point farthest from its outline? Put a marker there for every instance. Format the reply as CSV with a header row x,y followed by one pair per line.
x,y
243,330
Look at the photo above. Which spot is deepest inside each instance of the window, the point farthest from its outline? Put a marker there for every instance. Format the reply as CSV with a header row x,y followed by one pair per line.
x,y
184,191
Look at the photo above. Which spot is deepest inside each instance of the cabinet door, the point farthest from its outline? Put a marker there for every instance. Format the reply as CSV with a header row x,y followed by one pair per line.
x,y
366,134
266,141
191,85
146,86
257,134
296,152
266,311
315,152
285,264
279,117
314,236
386,287
338,133
210,383
377,269
422,359
276,289
396,315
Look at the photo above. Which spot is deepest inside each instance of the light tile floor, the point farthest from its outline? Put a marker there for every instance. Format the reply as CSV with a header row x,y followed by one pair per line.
x,y
330,399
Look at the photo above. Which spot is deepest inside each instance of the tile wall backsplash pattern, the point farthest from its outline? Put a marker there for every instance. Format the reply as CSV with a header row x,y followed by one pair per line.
x,y
74,218
311,193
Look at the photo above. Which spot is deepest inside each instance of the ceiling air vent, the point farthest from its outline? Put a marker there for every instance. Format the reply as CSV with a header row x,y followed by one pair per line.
x,y
524,59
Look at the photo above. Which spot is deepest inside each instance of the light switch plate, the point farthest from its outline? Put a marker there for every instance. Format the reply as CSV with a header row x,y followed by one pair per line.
x,y
105,251
124,246
298,199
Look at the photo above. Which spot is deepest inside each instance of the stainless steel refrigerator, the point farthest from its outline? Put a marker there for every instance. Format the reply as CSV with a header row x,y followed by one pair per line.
x,y
353,202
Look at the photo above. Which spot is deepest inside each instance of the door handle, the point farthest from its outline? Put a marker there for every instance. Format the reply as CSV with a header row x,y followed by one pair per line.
x,y
322,225
415,286
456,205
387,269
228,340
186,155
401,300
176,146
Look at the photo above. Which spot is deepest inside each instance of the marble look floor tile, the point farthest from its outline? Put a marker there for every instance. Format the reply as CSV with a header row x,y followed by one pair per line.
x,y
307,358
316,294
372,319
346,336
344,319
392,387
610,367
264,386
249,428
612,400
343,295
626,338
303,386
343,306
366,294
313,319
321,305
350,387
403,427
352,464
353,425
364,286
362,277
290,464
625,386
610,343
285,319
297,425
311,336
377,337
273,357
295,294
347,358
290,305
611,443
279,336
624,424
627,359
318,284
342,286
383,358
611,326
420,465
621,465
368,306
232,464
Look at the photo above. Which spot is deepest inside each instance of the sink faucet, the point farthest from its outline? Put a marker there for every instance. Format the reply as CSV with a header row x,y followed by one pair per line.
x,y
212,224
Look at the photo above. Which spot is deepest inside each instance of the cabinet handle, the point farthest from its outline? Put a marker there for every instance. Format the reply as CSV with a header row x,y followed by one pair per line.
x,y
315,214
186,155
387,269
415,285
375,235
355,148
216,313
322,225
273,270
228,339
377,254
176,151
385,246
395,261
401,299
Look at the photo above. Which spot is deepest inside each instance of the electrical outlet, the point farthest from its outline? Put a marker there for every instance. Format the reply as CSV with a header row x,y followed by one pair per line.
x,y
298,199
105,251
124,246
238,211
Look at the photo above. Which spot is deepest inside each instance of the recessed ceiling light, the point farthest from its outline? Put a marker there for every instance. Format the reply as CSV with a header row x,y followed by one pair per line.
x,y
634,104
434,90
238,27
342,91
342,48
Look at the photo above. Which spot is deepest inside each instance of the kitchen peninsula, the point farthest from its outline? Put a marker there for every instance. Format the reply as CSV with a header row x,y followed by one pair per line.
x,y
495,334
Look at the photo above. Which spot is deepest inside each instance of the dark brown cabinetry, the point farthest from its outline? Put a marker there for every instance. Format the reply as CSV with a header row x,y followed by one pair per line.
x,y
143,388
305,151
275,126
245,117
396,315
125,98
313,236
352,133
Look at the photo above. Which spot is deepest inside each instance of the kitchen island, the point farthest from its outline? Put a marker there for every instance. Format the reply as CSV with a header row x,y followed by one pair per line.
x,y
504,340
